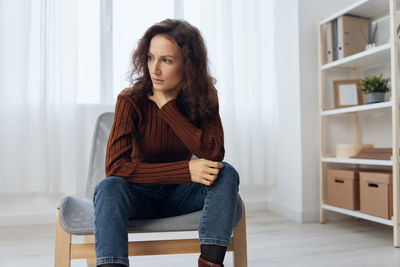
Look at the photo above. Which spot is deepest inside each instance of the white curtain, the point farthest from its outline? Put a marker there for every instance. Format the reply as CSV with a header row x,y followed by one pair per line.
x,y
42,78
239,36
39,118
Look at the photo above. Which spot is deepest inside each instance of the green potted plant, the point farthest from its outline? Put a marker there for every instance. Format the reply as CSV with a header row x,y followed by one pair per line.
x,y
375,87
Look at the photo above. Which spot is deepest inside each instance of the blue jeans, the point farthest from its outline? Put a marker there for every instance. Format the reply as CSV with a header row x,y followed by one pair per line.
x,y
116,201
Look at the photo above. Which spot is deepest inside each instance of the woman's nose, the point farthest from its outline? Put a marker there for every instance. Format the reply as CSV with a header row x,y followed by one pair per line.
x,y
156,68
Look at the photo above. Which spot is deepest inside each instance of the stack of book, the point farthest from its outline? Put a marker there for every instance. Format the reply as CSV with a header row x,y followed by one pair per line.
x,y
345,36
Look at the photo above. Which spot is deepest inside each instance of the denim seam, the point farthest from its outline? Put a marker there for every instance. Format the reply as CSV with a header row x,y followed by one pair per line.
x,y
213,241
205,209
118,260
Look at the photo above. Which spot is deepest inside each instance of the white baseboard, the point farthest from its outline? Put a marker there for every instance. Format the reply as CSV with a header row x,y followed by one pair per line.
x,y
256,205
36,218
313,216
28,208
285,211
254,197
33,209
304,216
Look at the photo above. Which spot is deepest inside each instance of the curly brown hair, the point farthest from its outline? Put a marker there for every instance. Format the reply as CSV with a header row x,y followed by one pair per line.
x,y
198,96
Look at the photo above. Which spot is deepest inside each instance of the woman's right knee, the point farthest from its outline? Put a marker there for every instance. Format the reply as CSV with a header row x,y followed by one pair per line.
x,y
111,185
112,199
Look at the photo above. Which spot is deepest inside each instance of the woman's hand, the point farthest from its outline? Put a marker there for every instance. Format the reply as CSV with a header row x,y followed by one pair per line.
x,y
204,171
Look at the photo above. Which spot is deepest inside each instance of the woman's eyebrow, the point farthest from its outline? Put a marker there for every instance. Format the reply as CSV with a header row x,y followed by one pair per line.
x,y
163,55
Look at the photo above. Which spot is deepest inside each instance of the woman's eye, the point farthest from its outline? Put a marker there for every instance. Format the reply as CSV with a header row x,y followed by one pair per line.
x,y
167,60
149,57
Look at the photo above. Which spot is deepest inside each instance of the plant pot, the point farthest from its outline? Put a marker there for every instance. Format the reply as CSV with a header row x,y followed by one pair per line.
x,y
375,97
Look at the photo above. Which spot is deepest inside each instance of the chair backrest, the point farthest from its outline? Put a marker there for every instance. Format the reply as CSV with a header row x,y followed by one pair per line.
x,y
98,152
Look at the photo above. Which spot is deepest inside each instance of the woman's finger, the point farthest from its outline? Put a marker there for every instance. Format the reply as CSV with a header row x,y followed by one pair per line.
x,y
213,171
214,164
210,177
206,182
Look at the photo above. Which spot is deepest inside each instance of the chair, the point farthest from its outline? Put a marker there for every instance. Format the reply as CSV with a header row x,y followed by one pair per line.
x,y
75,217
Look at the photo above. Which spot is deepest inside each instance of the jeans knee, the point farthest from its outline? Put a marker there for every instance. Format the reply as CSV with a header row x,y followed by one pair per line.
x,y
110,185
230,173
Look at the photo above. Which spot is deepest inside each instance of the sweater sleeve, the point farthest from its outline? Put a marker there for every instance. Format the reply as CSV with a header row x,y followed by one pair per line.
x,y
119,161
206,142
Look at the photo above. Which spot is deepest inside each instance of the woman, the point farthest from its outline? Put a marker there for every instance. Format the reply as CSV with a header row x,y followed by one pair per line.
x,y
170,113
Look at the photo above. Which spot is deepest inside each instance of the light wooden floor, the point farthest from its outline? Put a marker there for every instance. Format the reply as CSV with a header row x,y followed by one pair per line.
x,y
272,241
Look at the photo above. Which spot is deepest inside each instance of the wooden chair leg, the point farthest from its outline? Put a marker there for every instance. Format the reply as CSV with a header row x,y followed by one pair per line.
x,y
90,239
240,242
62,255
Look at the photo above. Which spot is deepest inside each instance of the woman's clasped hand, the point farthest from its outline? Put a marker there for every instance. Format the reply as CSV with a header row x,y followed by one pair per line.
x,y
204,171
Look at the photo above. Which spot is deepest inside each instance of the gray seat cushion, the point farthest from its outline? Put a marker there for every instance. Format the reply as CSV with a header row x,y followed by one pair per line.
x,y
76,217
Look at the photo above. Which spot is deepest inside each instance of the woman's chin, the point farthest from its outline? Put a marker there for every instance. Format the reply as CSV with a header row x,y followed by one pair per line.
x,y
158,88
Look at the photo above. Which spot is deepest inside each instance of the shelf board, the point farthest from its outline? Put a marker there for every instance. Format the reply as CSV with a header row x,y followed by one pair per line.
x,y
363,8
365,107
358,161
364,58
358,214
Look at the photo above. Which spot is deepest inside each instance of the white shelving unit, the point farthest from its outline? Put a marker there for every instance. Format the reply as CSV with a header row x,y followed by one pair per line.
x,y
376,54
358,214
358,161
340,111
385,53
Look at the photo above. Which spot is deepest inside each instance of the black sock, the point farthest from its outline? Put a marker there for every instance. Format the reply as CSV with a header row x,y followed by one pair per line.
x,y
213,253
111,265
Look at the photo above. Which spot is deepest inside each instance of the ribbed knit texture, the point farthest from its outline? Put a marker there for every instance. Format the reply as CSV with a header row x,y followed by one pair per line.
x,y
149,145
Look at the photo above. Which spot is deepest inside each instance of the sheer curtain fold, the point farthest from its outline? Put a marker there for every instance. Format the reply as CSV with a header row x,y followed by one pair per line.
x,y
239,36
44,69
39,119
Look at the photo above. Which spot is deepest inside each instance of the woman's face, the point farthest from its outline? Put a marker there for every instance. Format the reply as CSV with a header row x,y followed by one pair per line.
x,y
165,63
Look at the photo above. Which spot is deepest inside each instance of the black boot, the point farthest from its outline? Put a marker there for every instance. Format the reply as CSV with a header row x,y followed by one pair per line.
x,y
213,253
206,263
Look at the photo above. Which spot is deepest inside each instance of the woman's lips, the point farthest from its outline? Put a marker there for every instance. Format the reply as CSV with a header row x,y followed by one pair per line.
x,y
157,80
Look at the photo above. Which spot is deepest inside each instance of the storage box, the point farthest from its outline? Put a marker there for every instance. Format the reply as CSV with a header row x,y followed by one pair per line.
x,y
343,189
376,193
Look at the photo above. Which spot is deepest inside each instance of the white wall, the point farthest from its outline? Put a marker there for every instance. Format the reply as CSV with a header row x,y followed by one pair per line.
x,y
310,12
285,196
296,194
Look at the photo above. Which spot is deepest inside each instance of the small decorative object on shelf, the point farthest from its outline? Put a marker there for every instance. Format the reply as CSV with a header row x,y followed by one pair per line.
x,y
347,93
374,153
350,150
371,36
375,87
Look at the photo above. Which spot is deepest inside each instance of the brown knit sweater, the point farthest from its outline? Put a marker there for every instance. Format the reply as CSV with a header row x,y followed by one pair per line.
x,y
149,145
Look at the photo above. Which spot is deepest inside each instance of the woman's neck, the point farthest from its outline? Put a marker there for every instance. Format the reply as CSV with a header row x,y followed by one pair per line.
x,y
162,97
